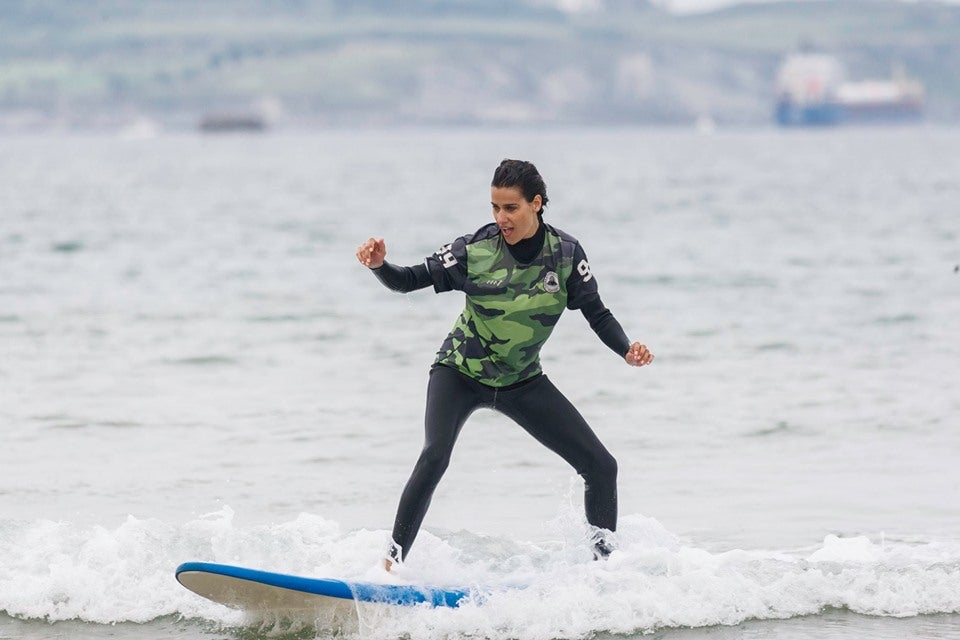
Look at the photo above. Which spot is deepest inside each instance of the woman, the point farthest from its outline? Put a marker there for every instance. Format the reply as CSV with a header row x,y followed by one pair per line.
x,y
518,274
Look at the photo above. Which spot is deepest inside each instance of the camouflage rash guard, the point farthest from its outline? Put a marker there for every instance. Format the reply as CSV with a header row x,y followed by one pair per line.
x,y
511,307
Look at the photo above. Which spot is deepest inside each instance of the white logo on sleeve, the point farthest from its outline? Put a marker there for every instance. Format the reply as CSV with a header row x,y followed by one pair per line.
x,y
445,254
583,268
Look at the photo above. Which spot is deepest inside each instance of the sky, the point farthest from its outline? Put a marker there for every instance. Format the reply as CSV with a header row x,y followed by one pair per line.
x,y
696,6
685,6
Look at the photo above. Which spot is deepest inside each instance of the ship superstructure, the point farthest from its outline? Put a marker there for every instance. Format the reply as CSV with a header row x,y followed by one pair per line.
x,y
812,89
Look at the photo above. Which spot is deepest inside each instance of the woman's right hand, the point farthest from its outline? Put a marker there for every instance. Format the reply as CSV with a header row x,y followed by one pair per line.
x,y
372,253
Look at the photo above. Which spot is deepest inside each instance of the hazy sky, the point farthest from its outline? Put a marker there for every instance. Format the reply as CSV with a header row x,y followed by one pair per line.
x,y
679,6
689,6
685,6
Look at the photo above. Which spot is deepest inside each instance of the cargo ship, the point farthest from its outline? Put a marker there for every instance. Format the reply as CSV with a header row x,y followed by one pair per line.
x,y
812,90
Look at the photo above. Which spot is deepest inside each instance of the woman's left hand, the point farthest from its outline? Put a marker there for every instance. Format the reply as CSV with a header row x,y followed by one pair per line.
x,y
638,355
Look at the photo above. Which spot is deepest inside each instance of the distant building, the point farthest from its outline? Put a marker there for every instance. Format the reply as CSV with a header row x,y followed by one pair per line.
x,y
812,90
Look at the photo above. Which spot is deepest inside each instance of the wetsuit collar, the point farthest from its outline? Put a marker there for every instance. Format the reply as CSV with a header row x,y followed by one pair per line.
x,y
528,249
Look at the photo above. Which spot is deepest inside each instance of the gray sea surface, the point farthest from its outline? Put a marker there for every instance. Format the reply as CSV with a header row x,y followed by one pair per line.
x,y
193,366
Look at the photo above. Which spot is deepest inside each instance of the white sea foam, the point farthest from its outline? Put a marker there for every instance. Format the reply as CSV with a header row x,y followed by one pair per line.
x,y
58,571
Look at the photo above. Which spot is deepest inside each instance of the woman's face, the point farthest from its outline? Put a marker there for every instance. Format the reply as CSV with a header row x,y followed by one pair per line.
x,y
516,217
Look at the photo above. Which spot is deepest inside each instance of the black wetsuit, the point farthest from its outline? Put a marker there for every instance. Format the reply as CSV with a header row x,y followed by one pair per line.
x,y
533,401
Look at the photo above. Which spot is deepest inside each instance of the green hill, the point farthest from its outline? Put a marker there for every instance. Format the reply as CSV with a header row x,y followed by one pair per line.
x,y
337,62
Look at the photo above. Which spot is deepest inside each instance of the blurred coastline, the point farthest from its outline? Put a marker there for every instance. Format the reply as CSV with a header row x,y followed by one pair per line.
x,y
111,65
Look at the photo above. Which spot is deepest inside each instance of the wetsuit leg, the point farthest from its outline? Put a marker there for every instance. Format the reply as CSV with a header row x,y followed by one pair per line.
x,y
546,414
451,398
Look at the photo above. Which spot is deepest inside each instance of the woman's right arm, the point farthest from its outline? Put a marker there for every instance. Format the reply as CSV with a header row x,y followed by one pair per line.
x,y
371,254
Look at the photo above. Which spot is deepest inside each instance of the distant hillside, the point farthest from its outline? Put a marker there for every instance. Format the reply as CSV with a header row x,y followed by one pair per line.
x,y
337,62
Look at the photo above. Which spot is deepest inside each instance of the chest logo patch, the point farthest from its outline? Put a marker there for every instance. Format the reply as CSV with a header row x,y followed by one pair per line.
x,y
551,282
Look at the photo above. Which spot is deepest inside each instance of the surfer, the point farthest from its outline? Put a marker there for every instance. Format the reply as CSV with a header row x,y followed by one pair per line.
x,y
518,274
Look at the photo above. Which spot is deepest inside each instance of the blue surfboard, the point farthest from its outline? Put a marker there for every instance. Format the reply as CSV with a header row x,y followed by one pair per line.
x,y
265,591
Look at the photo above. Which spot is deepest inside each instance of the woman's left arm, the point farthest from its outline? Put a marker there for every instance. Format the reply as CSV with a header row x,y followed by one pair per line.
x,y
605,325
583,295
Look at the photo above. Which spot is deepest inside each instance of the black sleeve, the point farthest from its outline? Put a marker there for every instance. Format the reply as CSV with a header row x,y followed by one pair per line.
x,y
447,267
605,325
403,279
581,285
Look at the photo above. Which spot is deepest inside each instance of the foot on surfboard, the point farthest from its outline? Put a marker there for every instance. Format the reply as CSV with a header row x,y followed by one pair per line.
x,y
394,556
601,548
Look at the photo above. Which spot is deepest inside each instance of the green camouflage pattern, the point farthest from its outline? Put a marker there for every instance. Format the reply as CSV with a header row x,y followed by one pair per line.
x,y
511,310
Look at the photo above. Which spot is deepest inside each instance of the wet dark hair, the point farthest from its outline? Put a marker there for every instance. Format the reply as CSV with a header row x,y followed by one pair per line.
x,y
521,174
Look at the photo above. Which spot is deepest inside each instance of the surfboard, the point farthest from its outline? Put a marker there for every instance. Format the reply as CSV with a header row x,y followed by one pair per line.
x,y
253,590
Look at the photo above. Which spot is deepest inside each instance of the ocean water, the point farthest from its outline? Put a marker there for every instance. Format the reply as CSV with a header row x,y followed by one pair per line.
x,y
193,366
